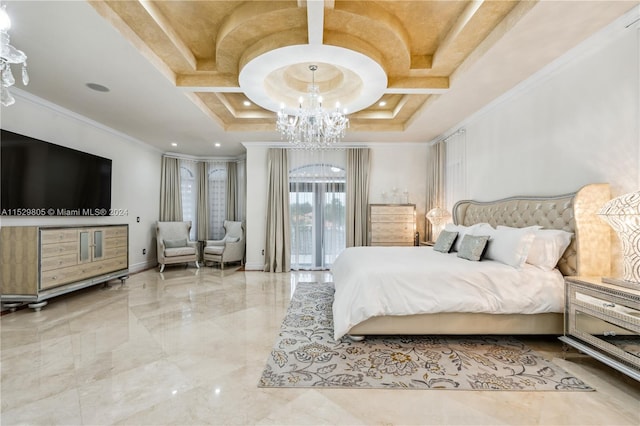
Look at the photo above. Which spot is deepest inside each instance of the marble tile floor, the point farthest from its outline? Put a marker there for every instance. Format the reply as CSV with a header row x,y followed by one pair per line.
x,y
188,346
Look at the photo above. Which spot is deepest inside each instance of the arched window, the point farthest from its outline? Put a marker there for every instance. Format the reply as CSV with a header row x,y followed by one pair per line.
x,y
217,176
188,191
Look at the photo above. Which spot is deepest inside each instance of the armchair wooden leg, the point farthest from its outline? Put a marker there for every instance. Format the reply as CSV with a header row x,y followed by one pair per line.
x,y
197,266
161,267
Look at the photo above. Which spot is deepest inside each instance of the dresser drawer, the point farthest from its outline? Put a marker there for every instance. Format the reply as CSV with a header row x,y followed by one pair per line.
x,y
60,276
50,236
620,340
116,231
49,263
112,252
401,218
612,308
115,242
392,210
393,228
60,249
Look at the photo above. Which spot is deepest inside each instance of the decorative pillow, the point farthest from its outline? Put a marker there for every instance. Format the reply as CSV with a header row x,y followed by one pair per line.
x,y
175,243
548,247
510,245
472,247
461,230
445,241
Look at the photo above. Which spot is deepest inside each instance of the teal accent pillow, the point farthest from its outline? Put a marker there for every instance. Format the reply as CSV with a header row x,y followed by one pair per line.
x,y
445,241
175,243
473,246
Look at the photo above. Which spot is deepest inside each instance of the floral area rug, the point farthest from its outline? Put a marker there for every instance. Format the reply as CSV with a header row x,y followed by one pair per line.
x,y
306,355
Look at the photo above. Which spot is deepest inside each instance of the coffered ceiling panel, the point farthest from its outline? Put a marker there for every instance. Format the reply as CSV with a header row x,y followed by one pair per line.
x,y
240,60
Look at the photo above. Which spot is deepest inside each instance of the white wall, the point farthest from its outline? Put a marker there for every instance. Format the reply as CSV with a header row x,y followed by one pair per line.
x,y
135,171
576,125
400,165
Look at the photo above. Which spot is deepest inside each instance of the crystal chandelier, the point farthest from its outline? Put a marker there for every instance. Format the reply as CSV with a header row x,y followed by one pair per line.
x,y
9,55
312,126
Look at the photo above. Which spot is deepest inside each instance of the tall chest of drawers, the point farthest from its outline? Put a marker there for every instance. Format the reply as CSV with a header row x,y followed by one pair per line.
x,y
42,262
392,224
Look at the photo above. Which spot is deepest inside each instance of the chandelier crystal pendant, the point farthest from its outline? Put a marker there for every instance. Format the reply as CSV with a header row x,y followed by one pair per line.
x,y
312,127
9,55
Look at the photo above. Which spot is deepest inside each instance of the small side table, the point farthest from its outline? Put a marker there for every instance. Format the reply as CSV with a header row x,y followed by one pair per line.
x,y
603,320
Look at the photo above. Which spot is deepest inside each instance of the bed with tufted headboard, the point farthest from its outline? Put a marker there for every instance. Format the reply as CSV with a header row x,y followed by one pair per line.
x,y
587,255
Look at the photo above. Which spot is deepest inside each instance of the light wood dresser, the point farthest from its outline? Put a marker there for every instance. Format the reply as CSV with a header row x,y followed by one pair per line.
x,y
40,262
392,224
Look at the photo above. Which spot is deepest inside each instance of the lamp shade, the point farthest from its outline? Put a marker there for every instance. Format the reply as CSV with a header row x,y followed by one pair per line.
x,y
438,218
623,215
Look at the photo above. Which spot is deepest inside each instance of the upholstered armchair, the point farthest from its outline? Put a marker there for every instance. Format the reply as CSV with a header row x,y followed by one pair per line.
x,y
173,244
228,249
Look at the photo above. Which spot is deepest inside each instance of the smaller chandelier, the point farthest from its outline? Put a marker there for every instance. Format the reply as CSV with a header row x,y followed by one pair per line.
x,y
312,126
9,55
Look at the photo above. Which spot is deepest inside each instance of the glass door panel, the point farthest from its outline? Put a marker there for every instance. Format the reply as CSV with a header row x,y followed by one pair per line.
x,y
98,251
84,246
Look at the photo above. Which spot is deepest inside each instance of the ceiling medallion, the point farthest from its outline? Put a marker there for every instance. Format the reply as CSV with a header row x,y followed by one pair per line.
x,y
311,126
9,55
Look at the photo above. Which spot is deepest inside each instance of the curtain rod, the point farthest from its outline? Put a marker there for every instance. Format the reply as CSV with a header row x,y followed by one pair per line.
x,y
460,131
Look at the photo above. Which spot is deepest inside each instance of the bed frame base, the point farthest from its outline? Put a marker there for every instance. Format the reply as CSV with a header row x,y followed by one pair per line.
x,y
461,324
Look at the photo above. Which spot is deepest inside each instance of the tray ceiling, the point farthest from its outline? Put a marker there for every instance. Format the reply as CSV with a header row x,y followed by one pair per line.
x,y
413,47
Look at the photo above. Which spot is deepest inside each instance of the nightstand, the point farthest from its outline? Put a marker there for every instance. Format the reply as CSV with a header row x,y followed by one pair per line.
x,y
427,243
602,320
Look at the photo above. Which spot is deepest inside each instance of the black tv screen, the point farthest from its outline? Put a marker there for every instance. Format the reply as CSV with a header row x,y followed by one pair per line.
x,y
43,179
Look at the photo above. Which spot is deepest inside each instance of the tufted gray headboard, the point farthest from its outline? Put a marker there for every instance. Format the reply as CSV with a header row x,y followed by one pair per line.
x,y
589,253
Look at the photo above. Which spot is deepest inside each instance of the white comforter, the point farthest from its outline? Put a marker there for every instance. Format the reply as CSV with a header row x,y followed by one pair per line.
x,y
375,281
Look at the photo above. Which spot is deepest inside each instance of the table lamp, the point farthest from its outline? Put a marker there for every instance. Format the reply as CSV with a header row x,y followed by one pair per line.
x,y
438,218
623,215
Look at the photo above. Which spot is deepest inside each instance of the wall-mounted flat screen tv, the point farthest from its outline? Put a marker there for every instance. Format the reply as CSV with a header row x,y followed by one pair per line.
x,y
39,178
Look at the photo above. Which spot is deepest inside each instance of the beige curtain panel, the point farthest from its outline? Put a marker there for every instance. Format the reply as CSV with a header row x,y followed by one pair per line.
x,y
232,189
170,197
435,182
358,165
202,204
278,235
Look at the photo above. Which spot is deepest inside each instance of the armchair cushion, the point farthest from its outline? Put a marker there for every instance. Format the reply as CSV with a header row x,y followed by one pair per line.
x,y
179,251
175,243
214,249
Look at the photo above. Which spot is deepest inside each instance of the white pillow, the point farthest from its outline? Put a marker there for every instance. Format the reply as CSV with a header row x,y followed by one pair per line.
x,y
510,245
461,230
548,247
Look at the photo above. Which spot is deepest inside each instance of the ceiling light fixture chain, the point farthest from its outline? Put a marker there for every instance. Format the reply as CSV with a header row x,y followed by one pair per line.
x,y
312,127
9,55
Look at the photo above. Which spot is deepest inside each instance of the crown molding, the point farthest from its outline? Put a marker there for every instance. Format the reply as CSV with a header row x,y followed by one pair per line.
x,y
628,22
28,97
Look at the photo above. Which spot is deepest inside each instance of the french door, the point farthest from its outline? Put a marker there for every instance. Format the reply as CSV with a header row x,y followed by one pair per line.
x,y
317,216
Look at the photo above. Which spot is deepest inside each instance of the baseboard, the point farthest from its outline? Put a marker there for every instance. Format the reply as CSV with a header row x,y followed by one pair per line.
x,y
142,266
253,266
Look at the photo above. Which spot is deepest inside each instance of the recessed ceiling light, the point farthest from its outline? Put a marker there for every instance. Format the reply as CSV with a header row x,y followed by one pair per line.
x,y
247,103
174,144
97,87
217,144
382,103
